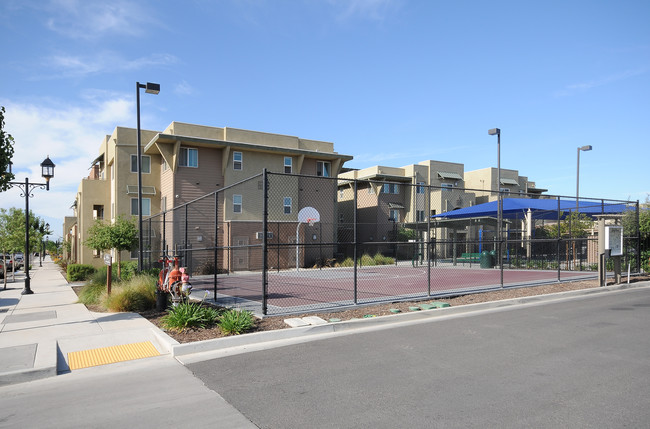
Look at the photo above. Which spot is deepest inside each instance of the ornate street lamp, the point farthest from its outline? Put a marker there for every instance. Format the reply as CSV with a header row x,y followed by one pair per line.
x,y
47,171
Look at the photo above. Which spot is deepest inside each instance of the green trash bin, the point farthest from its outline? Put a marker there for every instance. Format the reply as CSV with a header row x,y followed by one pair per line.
x,y
486,259
493,256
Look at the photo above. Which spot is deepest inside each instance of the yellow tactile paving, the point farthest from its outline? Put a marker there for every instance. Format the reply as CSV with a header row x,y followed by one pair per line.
x,y
113,354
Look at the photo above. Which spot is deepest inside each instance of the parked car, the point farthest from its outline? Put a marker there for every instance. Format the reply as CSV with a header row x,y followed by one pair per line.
x,y
2,269
7,259
19,260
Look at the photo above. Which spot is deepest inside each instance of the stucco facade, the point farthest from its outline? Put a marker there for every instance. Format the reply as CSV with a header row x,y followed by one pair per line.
x,y
185,162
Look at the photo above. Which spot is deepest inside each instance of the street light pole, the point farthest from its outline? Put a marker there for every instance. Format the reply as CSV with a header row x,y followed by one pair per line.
x,y
47,171
150,88
497,132
583,148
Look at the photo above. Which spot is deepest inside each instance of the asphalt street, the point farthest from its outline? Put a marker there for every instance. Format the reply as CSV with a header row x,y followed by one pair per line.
x,y
582,362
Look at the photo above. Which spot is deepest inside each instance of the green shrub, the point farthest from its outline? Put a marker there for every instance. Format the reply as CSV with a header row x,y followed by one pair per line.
x,y
383,260
235,322
189,315
80,272
138,294
91,294
366,260
129,269
348,262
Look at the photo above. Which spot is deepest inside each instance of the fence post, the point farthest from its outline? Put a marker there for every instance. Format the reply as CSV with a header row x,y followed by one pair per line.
x,y
150,246
638,240
428,246
216,241
354,238
559,238
265,216
186,238
164,237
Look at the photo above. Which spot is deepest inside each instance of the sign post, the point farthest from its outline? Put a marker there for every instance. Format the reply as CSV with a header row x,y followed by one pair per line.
x,y
108,261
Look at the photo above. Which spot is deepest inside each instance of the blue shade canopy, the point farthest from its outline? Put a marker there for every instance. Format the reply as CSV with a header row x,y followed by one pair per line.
x,y
516,208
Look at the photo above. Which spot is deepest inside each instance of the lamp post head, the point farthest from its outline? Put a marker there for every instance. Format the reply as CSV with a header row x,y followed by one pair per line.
x,y
151,88
494,132
47,169
585,148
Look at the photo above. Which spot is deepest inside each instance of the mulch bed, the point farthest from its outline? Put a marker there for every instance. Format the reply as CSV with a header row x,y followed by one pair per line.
x,y
277,322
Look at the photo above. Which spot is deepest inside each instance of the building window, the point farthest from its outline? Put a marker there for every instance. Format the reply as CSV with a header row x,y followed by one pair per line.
x,y
163,204
420,188
394,215
505,189
323,168
164,165
287,205
371,188
236,203
419,214
188,157
98,212
447,186
391,188
146,206
146,164
288,163
237,160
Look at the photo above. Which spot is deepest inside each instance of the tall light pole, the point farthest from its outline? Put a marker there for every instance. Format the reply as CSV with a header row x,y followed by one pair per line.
x,y
47,171
583,148
497,132
149,88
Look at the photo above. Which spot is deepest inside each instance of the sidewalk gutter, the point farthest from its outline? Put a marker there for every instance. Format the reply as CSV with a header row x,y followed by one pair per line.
x,y
209,349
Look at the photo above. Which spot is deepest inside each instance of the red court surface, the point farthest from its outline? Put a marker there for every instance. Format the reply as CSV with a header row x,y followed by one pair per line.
x,y
309,289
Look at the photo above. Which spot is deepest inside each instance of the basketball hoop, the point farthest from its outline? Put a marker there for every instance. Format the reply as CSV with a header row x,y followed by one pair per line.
x,y
311,221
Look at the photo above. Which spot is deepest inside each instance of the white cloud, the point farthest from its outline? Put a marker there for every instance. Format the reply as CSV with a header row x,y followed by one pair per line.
x,y
84,19
183,88
585,86
374,10
70,135
104,62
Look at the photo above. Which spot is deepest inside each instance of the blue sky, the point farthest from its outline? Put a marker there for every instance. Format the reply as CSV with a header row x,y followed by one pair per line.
x,y
390,82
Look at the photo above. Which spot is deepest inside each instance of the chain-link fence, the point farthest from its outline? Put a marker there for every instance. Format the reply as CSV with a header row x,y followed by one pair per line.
x,y
282,243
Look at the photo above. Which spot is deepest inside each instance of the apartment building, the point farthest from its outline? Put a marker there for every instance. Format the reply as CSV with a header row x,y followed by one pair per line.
x,y
187,161
390,196
512,184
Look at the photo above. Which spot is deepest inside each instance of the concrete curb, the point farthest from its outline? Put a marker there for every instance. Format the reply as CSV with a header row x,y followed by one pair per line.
x,y
256,341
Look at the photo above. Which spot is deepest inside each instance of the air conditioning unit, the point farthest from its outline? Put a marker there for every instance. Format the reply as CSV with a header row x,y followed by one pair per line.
x,y
260,235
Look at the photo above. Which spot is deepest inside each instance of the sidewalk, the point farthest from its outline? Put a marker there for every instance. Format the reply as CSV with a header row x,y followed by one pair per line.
x,y
40,333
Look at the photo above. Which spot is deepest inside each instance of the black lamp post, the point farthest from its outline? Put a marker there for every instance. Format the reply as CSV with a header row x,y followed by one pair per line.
x,y
584,149
497,132
47,171
149,88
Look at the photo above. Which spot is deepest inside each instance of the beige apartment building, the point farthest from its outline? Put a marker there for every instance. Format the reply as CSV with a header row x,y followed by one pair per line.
x,y
391,196
512,184
187,161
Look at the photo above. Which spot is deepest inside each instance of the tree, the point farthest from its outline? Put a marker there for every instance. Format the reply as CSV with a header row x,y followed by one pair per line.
x,y
122,235
6,153
12,231
579,224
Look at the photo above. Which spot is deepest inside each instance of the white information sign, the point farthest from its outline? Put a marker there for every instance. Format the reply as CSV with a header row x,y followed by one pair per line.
x,y
108,260
614,240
